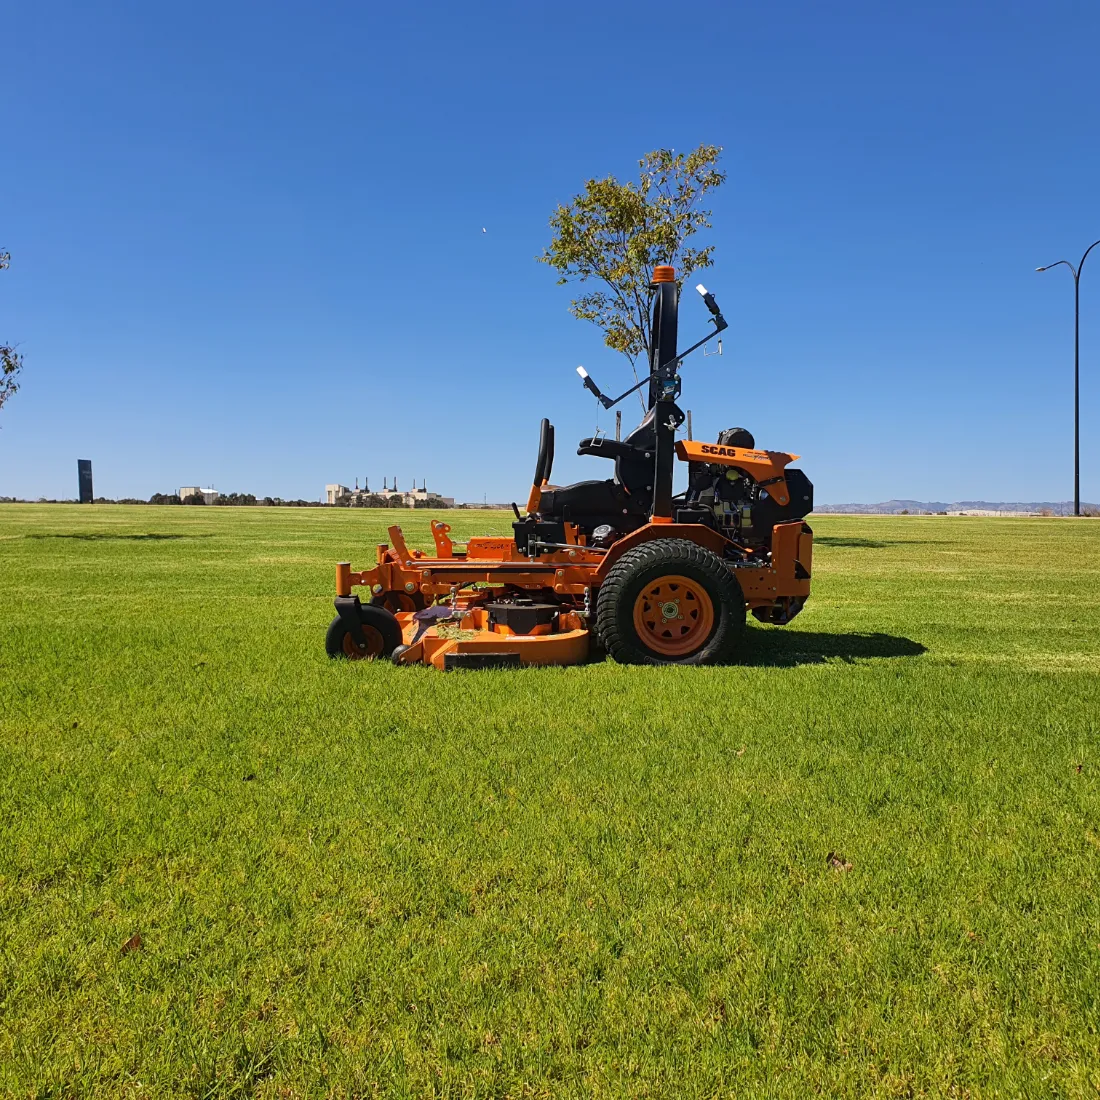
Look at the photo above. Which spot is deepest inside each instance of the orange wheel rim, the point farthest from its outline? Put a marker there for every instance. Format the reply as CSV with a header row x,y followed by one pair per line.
x,y
673,615
372,649
398,601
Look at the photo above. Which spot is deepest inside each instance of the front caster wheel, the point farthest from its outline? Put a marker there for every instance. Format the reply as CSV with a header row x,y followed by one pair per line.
x,y
381,632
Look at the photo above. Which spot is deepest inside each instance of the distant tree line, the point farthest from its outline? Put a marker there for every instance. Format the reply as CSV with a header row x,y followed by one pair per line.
x,y
374,500
231,499
198,498
242,500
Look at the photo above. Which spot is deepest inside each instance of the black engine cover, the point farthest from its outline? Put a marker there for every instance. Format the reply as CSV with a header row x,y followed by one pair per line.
x,y
766,512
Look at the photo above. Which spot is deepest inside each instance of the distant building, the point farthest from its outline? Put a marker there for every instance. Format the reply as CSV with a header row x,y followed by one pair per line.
x,y
208,495
84,478
364,498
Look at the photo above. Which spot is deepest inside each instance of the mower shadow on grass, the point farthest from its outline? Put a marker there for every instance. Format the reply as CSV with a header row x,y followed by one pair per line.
x,y
871,544
787,649
121,538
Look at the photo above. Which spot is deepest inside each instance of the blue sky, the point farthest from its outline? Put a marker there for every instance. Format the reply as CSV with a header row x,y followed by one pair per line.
x,y
247,239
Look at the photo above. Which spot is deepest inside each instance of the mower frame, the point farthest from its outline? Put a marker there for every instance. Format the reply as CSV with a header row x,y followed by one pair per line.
x,y
451,606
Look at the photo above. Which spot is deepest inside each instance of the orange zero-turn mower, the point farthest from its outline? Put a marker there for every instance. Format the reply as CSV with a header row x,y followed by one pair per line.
x,y
620,565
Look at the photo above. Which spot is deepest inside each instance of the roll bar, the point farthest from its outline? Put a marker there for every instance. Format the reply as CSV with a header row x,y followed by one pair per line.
x,y
659,369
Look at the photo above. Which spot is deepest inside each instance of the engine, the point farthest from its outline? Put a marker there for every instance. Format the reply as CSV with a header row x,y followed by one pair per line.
x,y
725,498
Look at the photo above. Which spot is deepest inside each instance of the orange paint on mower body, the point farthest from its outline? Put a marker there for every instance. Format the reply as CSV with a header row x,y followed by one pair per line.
x,y
658,578
469,639
765,467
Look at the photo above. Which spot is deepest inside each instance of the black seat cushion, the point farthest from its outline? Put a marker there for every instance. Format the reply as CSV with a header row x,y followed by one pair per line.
x,y
593,502
629,493
584,498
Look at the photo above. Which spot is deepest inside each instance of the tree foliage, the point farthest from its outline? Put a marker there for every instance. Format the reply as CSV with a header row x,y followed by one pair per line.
x,y
11,362
617,233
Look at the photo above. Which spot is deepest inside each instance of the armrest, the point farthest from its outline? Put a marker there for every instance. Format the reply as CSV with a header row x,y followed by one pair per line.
x,y
608,448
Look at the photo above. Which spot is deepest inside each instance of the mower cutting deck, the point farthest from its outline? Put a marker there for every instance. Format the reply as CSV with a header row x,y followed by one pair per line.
x,y
619,565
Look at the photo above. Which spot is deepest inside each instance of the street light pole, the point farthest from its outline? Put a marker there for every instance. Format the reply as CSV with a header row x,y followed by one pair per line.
x,y
1076,369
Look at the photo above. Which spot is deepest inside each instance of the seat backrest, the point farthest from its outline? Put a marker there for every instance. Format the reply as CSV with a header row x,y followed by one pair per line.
x,y
644,432
636,474
544,464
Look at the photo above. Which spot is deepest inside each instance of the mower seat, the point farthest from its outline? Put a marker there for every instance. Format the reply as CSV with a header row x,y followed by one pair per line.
x,y
633,456
585,501
628,494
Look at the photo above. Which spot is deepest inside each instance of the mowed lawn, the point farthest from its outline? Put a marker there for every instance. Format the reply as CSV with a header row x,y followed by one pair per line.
x,y
865,862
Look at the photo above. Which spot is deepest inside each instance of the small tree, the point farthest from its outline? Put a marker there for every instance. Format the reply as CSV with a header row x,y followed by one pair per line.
x,y
617,233
11,362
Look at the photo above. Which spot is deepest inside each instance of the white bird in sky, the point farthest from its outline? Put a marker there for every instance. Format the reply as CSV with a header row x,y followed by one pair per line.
x,y
484,230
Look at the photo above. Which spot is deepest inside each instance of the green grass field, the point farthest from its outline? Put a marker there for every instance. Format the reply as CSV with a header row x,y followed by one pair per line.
x,y
359,880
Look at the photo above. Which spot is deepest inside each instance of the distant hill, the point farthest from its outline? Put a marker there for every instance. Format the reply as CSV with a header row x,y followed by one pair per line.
x,y
896,507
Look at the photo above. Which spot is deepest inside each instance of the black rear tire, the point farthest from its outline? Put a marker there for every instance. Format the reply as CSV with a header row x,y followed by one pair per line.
x,y
628,627
381,630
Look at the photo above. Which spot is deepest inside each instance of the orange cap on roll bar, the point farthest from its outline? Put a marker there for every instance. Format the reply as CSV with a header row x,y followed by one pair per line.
x,y
664,274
